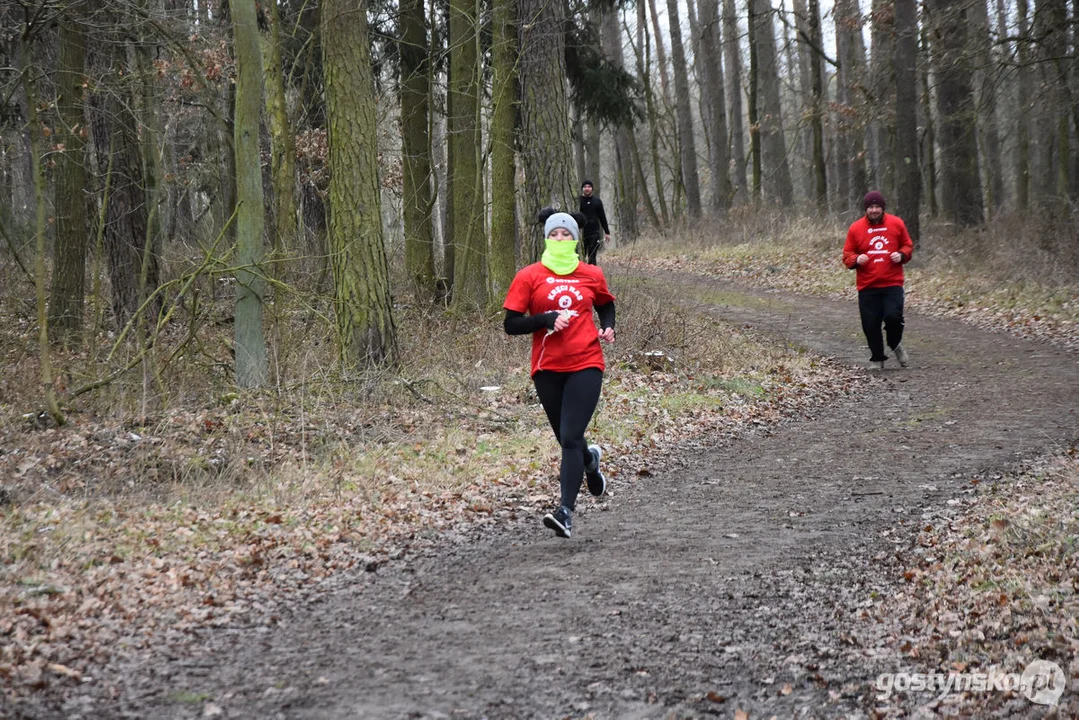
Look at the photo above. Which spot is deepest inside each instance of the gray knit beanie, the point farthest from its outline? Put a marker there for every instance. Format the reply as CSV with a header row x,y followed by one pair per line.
x,y
562,220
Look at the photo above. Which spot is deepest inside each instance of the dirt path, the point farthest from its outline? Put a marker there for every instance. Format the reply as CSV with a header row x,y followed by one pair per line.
x,y
697,591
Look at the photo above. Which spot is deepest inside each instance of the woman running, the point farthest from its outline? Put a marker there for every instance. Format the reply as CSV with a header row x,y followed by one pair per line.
x,y
553,299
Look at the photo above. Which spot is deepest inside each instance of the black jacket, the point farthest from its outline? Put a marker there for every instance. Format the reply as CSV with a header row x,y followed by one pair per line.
x,y
594,217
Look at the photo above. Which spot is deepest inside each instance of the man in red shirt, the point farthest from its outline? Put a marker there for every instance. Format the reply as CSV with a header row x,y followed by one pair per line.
x,y
877,247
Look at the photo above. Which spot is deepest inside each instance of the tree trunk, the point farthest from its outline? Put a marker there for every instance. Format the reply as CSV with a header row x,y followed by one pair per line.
x,y
754,95
865,97
669,134
805,59
466,201
251,364
577,129
773,144
151,151
416,147
644,63
115,132
358,254
649,206
1052,142
986,79
69,256
820,168
449,248
593,157
661,55
1022,115
29,74
961,183
686,143
850,128
719,150
929,143
733,56
282,145
503,261
908,172
626,179
704,101
882,78
545,133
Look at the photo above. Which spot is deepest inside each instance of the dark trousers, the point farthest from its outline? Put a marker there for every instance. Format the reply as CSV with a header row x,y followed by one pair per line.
x,y
591,247
881,305
570,399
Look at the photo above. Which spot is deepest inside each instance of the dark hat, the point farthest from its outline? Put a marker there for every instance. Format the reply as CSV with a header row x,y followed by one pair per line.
x,y
586,182
873,198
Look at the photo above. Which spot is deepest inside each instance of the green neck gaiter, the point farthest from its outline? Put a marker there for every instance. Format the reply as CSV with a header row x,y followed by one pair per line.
x,y
560,256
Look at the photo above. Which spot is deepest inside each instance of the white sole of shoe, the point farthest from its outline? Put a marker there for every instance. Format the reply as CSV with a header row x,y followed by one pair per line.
x,y
559,529
602,478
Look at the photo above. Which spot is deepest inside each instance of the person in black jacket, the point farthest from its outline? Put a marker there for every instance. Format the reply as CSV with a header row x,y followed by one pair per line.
x,y
595,230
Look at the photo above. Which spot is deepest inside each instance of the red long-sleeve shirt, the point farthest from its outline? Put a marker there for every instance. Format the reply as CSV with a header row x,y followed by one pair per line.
x,y
878,241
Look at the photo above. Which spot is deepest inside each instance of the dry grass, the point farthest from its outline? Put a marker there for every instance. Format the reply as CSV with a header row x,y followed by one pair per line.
x,y
176,429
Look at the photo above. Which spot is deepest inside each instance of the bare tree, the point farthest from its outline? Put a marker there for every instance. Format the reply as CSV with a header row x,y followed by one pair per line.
x,y
469,238
626,178
719,150
644,75
755,152
1022,115
361,275
882,122
985,93
929,143
1052,151
286,228
30,29
668,135
251,367
733,55
416,200
69,256
503,259
961,194
686,143
812,53
130,252
773,143
850,127
908,173
545,132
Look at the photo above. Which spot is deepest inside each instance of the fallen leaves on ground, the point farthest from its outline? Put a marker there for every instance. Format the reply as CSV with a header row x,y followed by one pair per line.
x,y
257,502
990,585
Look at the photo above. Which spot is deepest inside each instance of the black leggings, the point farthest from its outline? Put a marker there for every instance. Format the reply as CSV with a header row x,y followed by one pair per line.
x,y
591,248
570,399
877,305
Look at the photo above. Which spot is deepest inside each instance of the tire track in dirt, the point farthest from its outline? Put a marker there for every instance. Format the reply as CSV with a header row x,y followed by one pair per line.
x,y
724,581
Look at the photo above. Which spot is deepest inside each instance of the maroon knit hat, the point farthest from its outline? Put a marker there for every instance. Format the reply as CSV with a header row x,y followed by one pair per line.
x,y
873,198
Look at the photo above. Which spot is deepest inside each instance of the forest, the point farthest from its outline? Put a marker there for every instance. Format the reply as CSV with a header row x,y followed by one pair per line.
x,y
174,163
